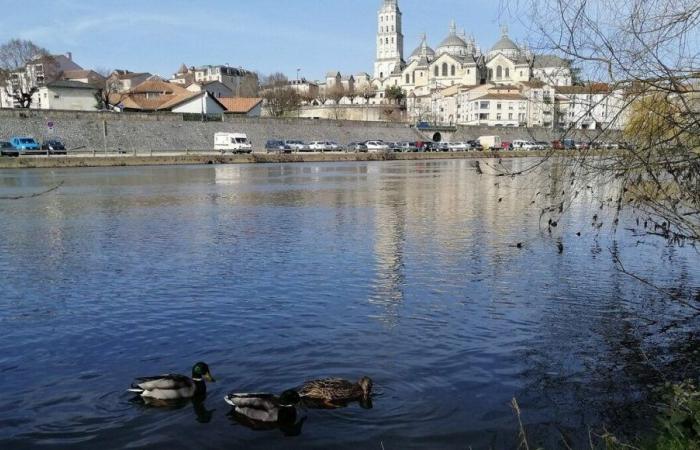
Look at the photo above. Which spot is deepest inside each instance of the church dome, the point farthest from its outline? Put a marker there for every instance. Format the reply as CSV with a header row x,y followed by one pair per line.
x,y
453,44
423,50
505,46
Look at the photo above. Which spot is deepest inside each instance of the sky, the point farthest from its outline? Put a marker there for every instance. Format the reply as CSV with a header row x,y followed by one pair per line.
x,y
316,36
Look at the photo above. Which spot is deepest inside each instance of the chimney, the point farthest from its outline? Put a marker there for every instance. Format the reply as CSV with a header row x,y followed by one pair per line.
x,y
69,55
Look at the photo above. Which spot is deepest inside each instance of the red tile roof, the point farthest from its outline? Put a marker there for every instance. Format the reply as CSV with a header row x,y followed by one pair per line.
x,y
241,105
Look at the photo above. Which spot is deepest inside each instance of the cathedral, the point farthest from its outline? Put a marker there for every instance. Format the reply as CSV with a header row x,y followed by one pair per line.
x,y
457,60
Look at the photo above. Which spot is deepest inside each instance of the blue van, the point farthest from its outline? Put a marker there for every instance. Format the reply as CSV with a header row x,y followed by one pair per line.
x,y
24,143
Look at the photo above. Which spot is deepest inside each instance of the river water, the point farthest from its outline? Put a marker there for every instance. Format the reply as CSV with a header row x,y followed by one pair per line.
x,y
273,274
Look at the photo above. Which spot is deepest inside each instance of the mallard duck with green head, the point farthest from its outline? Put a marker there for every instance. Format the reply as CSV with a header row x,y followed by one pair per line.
x,y
335,392
174,386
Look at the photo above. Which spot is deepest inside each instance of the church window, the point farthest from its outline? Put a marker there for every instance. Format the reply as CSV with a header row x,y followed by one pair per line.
x,y
453,70
381,74
490,74
469,71
408,78
507,72
387,40
521,73
392,40
499,72
444,69
392,28
414,77
437,71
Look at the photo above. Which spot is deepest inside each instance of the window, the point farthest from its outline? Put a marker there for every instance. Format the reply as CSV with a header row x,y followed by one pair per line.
x,y
498,116
484,105
392,40
490,77
408,78
507,72
510,116
387,40
414,77
499,72
468,71
521,73
381,74
444,69
437,71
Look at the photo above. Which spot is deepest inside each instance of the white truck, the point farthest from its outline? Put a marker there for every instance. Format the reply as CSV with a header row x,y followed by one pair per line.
x,y
232,142
490,142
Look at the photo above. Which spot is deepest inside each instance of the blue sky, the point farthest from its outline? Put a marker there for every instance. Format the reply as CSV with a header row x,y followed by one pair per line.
x,y
264,35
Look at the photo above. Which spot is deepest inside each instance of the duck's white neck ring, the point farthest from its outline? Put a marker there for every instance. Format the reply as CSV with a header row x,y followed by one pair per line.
x,y
197,379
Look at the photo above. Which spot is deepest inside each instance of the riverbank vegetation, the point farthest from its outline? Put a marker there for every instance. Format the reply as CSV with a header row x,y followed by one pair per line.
x,y
650,192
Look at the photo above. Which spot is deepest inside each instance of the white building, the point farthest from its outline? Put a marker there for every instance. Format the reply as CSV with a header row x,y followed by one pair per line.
x,y
34,75
239,80
594,106
66,95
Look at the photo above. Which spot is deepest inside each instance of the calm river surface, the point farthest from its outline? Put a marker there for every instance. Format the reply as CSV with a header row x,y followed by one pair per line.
x,y
274,274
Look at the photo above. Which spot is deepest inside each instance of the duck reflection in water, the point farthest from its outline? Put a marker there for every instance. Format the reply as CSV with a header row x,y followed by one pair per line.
x,y
202,414
268,411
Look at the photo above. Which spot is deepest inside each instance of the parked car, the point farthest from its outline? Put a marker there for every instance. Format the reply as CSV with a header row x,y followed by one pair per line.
x,y
6,149
232,142
297,146
520,144
543,145
376,146
427,146
54,147
24,143
459,146
394,146
557,145
569,144
317,146
442,146
506,145
277,146
357,147
476,145
407,147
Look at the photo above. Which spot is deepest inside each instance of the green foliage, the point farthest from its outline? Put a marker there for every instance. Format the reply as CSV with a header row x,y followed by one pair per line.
x,y
679,425
394,93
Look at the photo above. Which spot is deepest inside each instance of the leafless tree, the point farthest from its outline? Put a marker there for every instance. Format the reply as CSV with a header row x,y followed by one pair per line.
x,y
280,98
24,67
336,93
109,94
649,53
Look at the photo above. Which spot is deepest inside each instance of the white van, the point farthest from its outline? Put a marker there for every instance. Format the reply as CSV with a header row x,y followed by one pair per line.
x,y
232,142
490,142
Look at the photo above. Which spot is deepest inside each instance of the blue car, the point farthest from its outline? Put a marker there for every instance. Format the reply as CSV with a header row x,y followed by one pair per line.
x,y
24,143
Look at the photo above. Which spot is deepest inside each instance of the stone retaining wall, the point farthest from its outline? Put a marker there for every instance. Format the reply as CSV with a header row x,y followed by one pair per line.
x,y
166,131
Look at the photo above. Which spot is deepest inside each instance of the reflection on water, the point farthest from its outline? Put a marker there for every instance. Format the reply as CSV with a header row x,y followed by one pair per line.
x,y
274,274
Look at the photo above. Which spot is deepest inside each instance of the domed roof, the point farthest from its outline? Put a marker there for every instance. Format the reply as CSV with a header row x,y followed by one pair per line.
x,y
423,49
505,43
452,41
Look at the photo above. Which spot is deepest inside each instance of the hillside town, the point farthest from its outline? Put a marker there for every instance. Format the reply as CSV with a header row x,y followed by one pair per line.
x,y
458,83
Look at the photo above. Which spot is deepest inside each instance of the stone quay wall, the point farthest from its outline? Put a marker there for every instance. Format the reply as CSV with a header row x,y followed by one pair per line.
x,y
142,132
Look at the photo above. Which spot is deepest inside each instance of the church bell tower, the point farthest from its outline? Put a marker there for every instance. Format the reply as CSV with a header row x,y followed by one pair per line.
x,y
389,39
